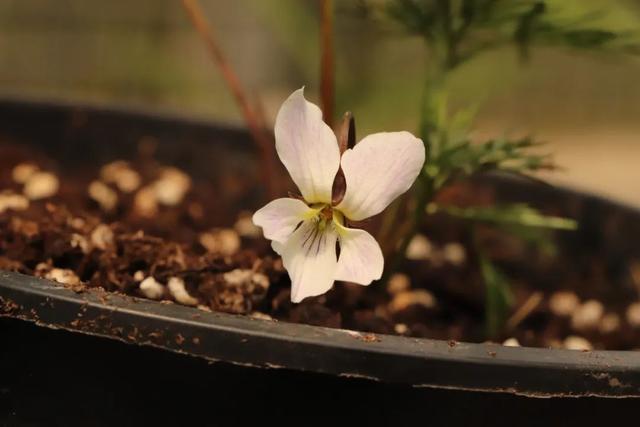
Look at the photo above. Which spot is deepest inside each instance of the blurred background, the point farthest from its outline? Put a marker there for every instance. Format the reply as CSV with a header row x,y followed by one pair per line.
x,y
145,54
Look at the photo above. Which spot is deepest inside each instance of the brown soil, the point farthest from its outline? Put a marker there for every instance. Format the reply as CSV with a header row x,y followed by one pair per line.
x,y
140,245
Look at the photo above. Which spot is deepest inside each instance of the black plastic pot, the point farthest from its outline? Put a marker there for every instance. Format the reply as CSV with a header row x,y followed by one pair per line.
x,y
63,361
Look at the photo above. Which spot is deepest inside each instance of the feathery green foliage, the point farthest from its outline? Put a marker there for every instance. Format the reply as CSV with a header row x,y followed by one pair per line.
x,y
454,32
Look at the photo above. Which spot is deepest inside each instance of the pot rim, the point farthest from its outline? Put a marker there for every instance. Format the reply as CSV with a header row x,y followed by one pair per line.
x,y
242,340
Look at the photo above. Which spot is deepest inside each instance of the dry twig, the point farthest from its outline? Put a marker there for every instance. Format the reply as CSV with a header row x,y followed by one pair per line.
x,y
252,120
327,66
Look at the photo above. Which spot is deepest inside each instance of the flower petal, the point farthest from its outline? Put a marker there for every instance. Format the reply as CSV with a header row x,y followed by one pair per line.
x,y
361,260
280,217
277,247
310,258
307,147
378,169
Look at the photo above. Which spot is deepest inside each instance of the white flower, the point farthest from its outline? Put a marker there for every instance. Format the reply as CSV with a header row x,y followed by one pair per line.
x,y
377,170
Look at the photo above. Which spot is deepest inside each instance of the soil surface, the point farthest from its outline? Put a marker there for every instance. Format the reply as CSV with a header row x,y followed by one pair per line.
x,y
147,229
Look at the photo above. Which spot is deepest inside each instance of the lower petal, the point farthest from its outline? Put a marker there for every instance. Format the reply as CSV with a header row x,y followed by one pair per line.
x,y
310,258
277,247
361,260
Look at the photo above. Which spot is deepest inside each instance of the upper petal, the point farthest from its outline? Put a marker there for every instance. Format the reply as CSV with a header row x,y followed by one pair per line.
x,y
361,260
310,258
307,147
280,217
377,170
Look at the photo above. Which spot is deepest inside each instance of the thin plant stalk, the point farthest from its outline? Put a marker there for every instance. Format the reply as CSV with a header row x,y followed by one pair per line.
x,y
251,117
327,62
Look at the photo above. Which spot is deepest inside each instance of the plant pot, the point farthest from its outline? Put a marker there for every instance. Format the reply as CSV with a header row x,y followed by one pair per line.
x,y
86,376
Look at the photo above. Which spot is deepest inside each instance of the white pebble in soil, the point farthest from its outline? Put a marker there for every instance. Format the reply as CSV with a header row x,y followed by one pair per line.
x,y
454,253
247,280
403,300
172,186
587,315
63,276
633,314
102,237
420,248
398,282
122,175
151,289
563,303
138,276
609,323
574,342
511,342
41,185
179,292
261,316
245,227
401,328
145,203
103,195
22,172
13,202
81,242
223,241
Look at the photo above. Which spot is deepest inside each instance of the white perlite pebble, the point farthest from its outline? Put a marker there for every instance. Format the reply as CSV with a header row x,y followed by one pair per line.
x,y
151,289
454,253
103,195
573,342
138,276
420,297
419,248
511,342
633,314
400,328
128,181
145,203
247,279
102,237
22,172
245,227
398,282
79,241
41,185
120,173
610,323
172,186
14,202
223,241
179,292
563,303
261,316
588,315
64,276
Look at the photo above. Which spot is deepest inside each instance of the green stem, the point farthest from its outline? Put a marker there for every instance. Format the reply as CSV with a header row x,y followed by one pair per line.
x,y
433,119
424,194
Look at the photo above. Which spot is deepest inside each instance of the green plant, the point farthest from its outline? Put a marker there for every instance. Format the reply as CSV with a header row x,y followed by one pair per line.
x,y
454,32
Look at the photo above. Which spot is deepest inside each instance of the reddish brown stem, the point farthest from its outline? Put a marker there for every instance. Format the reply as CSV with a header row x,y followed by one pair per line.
x,y
265,145
327,65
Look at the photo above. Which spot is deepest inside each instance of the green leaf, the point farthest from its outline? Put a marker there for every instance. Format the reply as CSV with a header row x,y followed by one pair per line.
x,y
467,28
518,214
520,220
461,158
498,297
